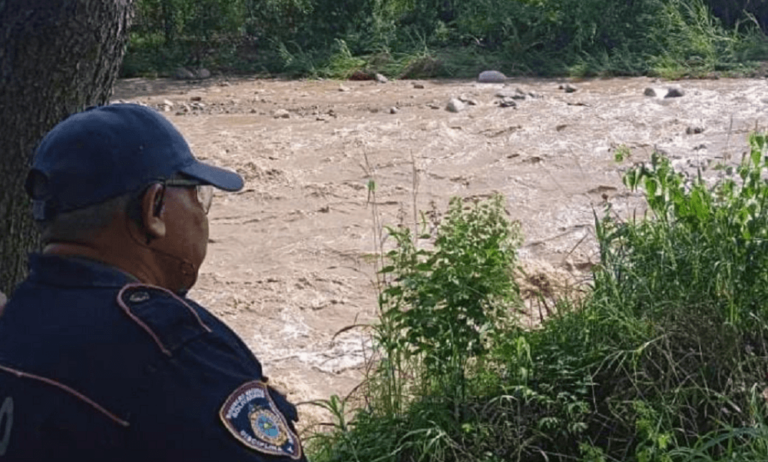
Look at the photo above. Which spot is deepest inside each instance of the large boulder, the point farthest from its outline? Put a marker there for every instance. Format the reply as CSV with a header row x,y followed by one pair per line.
x,y
454,105
183,73
491,77
361,75
675,92
507,102
281,114
202,73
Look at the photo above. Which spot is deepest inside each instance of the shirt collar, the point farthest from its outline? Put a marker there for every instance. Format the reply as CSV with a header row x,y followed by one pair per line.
x,y
75,272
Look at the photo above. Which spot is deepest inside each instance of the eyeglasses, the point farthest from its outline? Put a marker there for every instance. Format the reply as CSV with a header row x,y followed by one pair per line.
x,y
204,191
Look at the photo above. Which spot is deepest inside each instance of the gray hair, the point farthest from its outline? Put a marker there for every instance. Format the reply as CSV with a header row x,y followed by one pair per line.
x,y
85,223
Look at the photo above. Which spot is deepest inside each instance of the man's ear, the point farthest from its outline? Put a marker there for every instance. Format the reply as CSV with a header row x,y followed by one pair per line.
x,y
152,212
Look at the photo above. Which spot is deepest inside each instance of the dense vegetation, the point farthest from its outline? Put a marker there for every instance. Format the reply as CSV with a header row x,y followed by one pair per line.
x,y
664,359
421,38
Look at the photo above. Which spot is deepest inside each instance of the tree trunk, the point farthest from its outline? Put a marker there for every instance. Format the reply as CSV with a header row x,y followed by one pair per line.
x,y
169,21
56,57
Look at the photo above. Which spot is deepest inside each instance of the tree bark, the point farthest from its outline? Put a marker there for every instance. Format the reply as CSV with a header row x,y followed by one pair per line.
x,y
57,57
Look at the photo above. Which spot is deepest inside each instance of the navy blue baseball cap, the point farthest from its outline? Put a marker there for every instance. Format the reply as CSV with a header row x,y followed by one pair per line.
x,y
107,151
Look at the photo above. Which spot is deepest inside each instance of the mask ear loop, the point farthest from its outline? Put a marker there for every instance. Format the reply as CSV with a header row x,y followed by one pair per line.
x,y
159,201
157,208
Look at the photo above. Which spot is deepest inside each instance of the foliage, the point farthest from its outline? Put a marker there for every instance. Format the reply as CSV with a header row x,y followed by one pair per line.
x,y
580,37
723,228
664,361
687,287
446,305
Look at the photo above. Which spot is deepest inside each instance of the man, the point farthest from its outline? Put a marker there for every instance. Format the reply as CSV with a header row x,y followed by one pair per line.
x,y
102,356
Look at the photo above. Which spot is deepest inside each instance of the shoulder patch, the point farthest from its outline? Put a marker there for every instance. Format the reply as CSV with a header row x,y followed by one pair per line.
x,y
253,419
167,318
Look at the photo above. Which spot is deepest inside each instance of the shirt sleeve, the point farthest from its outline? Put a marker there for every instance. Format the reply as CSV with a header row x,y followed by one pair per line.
x,y
183,416
204,396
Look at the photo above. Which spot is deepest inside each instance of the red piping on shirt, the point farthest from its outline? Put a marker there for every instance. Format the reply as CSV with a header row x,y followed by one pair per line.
x,y
71,391
141,323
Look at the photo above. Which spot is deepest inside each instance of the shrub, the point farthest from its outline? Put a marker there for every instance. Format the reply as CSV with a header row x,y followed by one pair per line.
x,y
668,37
444,306
664,360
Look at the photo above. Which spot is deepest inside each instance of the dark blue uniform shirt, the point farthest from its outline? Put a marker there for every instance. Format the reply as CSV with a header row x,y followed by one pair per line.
x,y
97,367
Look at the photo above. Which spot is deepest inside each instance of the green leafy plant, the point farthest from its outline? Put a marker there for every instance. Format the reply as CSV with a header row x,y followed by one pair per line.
x,y
447,303
673,38
622,153
664,360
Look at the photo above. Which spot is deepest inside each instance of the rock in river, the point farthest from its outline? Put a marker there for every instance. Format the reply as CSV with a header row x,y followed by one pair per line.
x,y
491,77
454,105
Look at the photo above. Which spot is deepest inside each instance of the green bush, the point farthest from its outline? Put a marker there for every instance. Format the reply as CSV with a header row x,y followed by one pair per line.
x,y
444,306
684,292
665,360
201,19
582,37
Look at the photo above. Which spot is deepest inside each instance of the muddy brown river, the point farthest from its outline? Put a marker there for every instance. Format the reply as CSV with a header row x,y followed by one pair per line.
x,y
289,262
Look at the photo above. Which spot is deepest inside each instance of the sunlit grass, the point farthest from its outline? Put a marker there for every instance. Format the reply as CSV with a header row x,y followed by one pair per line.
x,y
424,38
664,359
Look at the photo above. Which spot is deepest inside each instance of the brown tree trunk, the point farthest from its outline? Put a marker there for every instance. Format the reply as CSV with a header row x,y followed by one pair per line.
x,y
56,58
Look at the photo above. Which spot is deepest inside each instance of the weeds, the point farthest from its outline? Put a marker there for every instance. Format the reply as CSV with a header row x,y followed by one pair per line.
x,y
663,361
434,38
446,305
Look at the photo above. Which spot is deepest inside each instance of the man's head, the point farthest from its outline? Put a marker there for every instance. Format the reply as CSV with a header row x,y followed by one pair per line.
x,y
121,181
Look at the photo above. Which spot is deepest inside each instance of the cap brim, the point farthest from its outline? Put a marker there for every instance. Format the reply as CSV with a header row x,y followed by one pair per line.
x,y
215,176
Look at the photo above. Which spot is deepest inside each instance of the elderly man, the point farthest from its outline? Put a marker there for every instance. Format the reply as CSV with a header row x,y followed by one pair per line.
x,y
102,355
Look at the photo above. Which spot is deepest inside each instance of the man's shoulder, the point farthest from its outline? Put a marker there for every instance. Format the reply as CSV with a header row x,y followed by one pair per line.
x,y
110,345
178,324
161,361
103,342
115,317
168,320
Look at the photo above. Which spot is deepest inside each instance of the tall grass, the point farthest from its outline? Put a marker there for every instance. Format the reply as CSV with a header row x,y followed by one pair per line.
x,y
544,37
665,360
690,40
